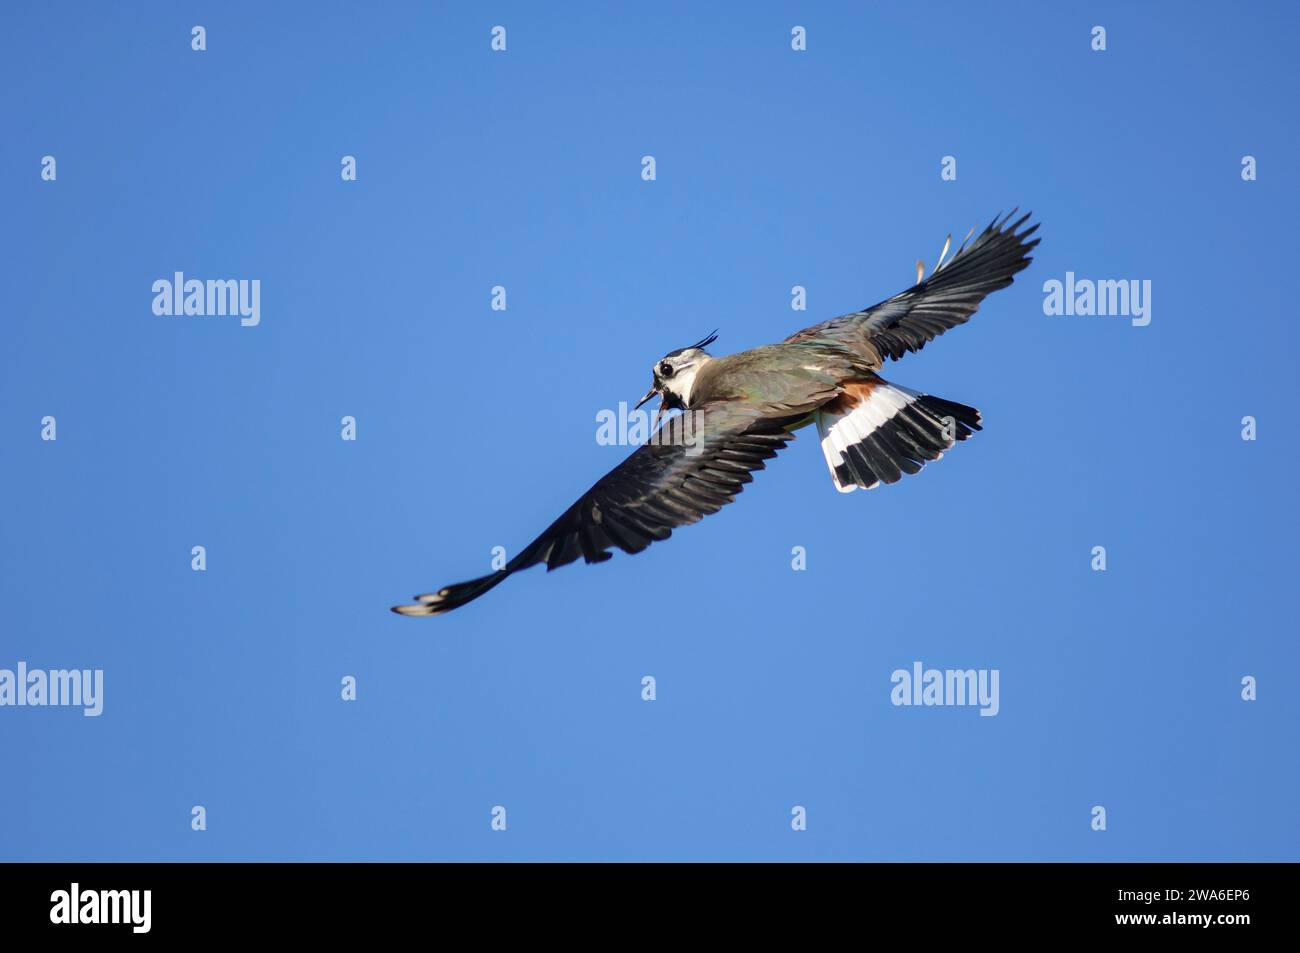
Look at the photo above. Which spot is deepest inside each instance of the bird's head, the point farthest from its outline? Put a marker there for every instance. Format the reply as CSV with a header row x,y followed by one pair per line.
x,y
674,375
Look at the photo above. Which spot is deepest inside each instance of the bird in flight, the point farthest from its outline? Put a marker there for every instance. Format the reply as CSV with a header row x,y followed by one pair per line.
x,y
739,410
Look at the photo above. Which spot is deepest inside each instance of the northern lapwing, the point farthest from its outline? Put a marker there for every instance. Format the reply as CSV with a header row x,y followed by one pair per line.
x,y
739,410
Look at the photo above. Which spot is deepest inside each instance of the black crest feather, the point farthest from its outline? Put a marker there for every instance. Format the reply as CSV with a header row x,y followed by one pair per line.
x,y
712,336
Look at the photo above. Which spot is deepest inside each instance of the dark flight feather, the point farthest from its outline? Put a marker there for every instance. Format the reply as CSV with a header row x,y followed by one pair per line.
x,y
944,300
664,484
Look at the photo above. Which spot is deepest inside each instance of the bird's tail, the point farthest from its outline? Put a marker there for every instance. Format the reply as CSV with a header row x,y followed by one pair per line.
x,y
875,431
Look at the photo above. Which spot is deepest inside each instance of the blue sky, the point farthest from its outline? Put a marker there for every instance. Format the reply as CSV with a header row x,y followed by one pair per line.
x,y
475,428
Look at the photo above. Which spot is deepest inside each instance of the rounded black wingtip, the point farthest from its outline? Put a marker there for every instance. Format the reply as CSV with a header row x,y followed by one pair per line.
x,y
418,610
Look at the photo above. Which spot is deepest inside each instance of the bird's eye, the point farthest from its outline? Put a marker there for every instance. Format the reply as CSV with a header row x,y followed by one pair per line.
x,y
665,369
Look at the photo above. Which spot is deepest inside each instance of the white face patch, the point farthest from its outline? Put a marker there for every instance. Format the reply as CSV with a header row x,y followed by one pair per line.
x,y
682,382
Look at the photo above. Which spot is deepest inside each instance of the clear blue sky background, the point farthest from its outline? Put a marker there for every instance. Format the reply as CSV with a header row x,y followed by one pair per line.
x,y
476,428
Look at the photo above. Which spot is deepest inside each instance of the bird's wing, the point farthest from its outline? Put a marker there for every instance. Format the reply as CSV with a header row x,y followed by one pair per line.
x,y
944,300
692,466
